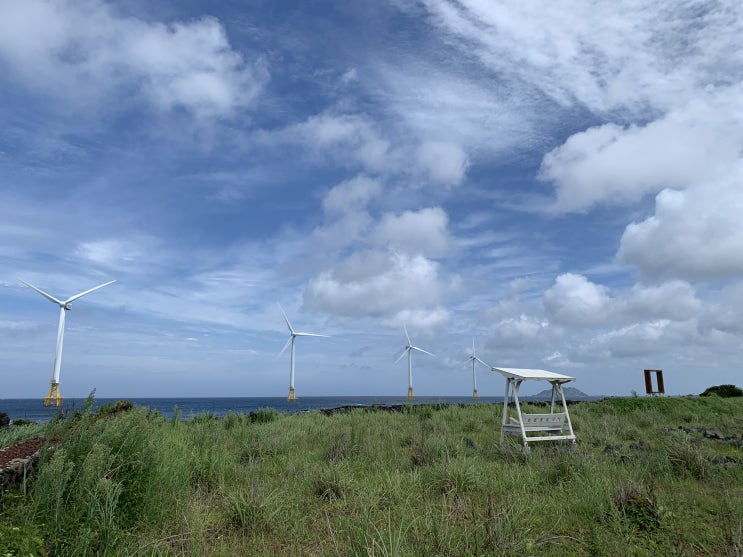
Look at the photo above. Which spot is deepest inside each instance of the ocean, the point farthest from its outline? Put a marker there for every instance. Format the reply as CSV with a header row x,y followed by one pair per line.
x,y
34,410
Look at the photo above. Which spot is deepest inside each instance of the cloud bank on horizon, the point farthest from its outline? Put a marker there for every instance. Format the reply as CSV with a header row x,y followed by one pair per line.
x,y
563,182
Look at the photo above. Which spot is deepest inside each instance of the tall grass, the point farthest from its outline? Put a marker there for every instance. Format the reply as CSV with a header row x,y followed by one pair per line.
x,y
424,481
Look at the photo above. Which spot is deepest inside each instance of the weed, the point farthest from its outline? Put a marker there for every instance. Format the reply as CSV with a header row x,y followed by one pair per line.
x,y
232,420
204,417
331,483
503,535
456,478
637,505
343,447
390,541
251,512
176,418
685,457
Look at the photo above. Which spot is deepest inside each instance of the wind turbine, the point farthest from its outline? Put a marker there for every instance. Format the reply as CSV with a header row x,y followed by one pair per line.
x,y
474,359
292,336
409,350
64,306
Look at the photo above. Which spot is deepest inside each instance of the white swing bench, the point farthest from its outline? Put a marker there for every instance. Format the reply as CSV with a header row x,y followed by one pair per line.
x,y
554,426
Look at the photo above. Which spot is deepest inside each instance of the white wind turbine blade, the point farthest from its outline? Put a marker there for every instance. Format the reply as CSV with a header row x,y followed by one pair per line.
x,y
407,336
421,350
473,357
47,296
289,325
288,342
76,296
401,355
310,335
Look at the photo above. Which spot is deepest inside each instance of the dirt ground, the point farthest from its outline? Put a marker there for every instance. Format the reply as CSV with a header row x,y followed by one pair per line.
x,y
19,450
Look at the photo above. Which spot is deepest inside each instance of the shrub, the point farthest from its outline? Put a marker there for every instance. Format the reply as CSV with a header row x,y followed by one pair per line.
x,y
264,415
724,391
21,421
21,540
115,407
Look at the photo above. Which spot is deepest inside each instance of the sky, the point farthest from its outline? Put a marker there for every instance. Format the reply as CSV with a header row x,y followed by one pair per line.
x,y
561,182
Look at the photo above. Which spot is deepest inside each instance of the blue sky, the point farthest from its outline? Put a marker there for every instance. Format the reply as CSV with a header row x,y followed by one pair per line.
x,y
562,181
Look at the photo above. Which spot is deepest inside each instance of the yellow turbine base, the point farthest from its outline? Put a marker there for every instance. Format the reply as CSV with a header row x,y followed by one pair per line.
x,y
292,396
474,394
410,393
53,398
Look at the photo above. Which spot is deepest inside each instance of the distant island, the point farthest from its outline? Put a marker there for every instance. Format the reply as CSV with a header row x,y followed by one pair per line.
x,y
570,392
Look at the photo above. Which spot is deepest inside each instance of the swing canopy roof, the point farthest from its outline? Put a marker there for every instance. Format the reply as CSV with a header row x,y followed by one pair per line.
x,y
533,374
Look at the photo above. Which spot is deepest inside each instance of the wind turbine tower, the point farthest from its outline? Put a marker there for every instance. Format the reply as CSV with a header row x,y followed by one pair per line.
x,y
409,350
54,397
474,359
292,337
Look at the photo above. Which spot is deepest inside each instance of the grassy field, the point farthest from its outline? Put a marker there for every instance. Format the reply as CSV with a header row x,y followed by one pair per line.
x,y
660,476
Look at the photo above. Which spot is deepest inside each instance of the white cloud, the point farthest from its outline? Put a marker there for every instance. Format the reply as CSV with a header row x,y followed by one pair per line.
x,y
612,163
442,162
639,339
355,141
574,300
422,319
345,214
351,195
349,76
726,313
84,51
115,253
674,301
415,232
11,327
345,138
667,77
559,360
522,331
695,233
343,231
449,111
376,283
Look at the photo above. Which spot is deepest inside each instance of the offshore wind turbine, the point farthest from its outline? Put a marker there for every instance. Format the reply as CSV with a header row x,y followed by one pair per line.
x,y
409,350
292,337
64,306
474,359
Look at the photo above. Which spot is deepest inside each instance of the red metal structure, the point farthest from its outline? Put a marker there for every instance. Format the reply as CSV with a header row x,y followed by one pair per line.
x,y
649,382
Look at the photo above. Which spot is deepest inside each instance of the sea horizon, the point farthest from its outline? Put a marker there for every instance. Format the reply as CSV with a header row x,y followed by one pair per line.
x,y
33,409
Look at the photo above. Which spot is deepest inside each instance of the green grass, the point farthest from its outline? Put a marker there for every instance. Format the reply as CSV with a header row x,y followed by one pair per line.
x,y
424,481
